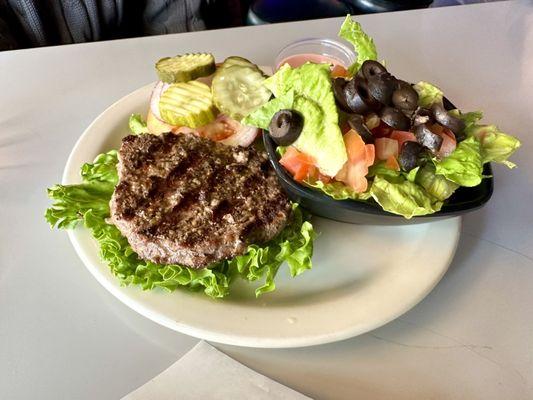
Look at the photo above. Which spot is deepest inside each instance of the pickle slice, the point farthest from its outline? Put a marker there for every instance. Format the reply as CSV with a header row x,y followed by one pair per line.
x,y
187,104
236,60
238,90
186,67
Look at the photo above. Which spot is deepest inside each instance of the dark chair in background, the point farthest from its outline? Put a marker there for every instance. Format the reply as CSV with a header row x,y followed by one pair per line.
x,y
32,23
270,11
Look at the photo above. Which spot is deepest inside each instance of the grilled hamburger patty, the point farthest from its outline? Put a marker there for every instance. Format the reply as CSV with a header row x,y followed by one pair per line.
x,y
186,200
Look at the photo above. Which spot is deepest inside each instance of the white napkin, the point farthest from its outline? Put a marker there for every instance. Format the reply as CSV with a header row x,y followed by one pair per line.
x,y
208,374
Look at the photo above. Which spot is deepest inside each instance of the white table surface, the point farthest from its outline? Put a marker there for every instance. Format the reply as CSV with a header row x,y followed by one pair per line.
x,y
62,336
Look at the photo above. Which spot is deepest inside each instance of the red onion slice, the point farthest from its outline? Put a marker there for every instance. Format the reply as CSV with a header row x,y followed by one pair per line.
x,y
243,137
158,90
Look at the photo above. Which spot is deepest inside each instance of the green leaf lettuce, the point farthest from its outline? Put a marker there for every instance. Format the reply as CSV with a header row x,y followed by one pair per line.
x,y
137,125
88,203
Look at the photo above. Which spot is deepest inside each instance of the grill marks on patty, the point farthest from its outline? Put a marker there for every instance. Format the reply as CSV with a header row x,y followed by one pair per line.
x,y
186,200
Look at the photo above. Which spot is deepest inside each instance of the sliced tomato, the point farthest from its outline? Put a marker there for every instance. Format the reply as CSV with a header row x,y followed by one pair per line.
x,y
300,165
402,137
392,163
385,148
382,130
338,71
219,129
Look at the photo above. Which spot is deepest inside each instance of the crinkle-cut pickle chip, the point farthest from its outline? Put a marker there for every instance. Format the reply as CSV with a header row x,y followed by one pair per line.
x,y
187,104
186,67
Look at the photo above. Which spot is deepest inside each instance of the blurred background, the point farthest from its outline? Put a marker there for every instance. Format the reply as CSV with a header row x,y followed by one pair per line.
x,y
33,23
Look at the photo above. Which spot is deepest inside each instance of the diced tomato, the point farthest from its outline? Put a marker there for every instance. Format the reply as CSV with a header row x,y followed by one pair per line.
x,y
360,157
447,147
385,148
355,147
370,152
448,140
402,137
382,130
300,165
354,176
339,71
392,163
449,133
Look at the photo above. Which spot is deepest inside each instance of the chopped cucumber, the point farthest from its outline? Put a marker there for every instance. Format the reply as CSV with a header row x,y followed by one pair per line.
x,y
186,67
187,104
238,90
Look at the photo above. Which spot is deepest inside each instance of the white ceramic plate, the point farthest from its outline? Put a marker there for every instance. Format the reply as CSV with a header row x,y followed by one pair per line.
x,y
362,278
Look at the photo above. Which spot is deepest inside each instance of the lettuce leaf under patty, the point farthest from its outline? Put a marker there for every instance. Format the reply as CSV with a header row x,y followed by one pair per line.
x,y
88,203
137,124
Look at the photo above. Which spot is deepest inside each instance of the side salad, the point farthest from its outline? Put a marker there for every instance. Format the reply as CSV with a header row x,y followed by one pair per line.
x,y
365,135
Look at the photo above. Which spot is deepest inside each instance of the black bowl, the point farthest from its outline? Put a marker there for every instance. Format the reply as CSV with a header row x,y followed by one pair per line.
x,y
357,212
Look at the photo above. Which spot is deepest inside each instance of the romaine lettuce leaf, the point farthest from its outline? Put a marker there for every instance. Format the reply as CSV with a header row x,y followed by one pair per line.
x,y
428,94
309,86
403,197
380,168
412,175
339,191
362,43
262,116
435,185
464,166
88,203
469,118
495,145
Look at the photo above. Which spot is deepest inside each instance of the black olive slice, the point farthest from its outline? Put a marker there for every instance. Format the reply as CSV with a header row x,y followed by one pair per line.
x,y
370,68
338,85
448,121
410,155
285,127
427,138
357,123
361,86
381,87
405,98
353,98
394,118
